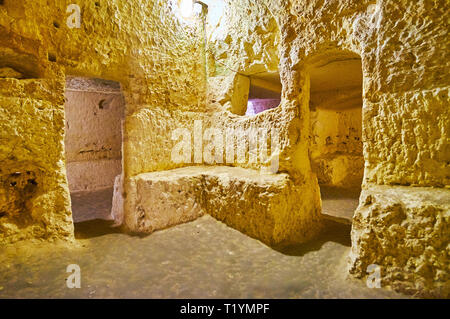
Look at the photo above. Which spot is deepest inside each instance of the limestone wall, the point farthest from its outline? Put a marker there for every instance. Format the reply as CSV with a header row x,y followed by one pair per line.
x,y
160,61
34,198
403,47
141,44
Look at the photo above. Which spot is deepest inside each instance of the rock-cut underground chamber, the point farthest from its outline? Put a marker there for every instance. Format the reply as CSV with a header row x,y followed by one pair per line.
x,y
336,130
94,112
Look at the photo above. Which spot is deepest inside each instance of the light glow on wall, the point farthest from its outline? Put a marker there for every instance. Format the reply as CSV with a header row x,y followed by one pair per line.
x,y
255,106
186,8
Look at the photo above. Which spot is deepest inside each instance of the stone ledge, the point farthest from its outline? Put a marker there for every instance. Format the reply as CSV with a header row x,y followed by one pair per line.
x,y
263,206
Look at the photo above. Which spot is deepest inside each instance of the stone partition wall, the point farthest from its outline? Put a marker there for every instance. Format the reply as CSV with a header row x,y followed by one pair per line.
x,y
34,197
166,198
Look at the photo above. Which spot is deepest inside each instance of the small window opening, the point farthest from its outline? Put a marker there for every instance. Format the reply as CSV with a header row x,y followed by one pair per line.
x,y
264,93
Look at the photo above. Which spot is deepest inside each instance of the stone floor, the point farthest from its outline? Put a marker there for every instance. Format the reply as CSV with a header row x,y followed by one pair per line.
x,y
201,259
92,205
339,204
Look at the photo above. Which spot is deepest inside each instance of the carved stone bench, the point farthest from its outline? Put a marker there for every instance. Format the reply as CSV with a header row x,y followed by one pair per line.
x,y
268,207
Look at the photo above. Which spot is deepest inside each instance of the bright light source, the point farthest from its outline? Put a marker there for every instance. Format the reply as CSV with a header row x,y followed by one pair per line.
x,y
250,109
186,8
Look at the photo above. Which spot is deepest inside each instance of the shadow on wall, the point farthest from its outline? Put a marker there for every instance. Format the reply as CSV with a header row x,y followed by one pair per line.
x,y
17,65
16,191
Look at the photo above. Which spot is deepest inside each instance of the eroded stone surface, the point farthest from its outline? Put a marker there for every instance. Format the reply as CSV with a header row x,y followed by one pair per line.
x,y
92,205
117,200
405,231
269,207
34,198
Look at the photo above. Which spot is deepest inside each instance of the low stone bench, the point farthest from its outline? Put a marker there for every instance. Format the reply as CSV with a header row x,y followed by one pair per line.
x,y
268,207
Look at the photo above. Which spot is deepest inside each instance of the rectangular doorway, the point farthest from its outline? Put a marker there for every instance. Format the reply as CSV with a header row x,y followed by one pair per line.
x,y
94,112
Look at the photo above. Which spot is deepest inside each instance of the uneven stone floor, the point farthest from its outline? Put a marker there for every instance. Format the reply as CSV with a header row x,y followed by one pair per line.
x,y
201,259
339,204
92,205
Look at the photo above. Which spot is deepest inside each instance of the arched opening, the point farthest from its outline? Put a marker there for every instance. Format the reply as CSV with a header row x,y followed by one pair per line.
x,y
94,112
336,130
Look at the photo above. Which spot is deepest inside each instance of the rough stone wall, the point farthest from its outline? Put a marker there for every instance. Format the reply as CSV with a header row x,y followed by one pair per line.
x,y
245,43
141,44
404,230
408,92
403,46
34,198
407,123
336,131
166,198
